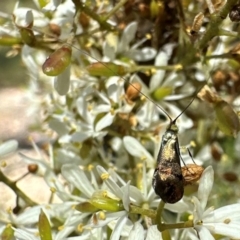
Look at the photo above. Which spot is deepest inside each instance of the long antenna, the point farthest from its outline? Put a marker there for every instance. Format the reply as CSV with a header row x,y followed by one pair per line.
x,y
70,43
174,121
132,85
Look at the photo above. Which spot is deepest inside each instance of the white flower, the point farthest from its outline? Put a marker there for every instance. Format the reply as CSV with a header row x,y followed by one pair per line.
x,y
114,45
224,221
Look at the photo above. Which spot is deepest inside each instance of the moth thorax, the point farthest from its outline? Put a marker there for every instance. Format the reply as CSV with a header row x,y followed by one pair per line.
x,y
169,135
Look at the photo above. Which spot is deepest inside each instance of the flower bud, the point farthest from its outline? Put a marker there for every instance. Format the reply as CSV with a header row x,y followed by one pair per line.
x,y
86,207
106,69
133,91
161,92
100,200
58,61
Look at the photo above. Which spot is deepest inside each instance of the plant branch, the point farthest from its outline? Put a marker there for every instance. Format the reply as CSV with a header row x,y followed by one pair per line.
x,y
119,5
103,24
13,186
213,27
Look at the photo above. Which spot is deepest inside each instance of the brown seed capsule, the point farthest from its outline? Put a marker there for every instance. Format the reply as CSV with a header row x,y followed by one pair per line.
x,y
32,168
191,173
133,91
219,78
216,151
133,120
55,29
230,176
84,20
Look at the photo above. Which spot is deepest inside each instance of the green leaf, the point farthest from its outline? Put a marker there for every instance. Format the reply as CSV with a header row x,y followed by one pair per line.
x,y
44,227
27,36
227,119
161,92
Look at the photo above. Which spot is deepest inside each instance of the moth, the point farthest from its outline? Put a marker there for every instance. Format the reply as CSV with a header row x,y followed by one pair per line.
x,y
168,180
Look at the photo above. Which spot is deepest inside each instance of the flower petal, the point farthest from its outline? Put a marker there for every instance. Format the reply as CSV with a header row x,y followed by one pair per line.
x,y
156,79
118,228
230,212
125,199
205,186
136,149
77,177
204,233
127,36
110,217
62,82
8,147
21,234
153,233
110,182
104,121
231,230
137,232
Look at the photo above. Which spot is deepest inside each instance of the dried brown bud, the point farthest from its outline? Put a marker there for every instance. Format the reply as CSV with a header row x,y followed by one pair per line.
x,y
216,151
197,23
32,168
206,94
133,120
84,20
133,91
235,52
191,173
219,78
230,176
55,29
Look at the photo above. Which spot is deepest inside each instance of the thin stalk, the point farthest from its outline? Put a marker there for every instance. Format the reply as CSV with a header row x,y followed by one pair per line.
x,y
115,9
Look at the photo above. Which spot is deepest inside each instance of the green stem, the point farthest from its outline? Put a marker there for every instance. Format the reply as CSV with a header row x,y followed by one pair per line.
x,y
164,227
215,21
175,67
159,214
221,56
103,24
146,212
13,186
223,32
119,5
